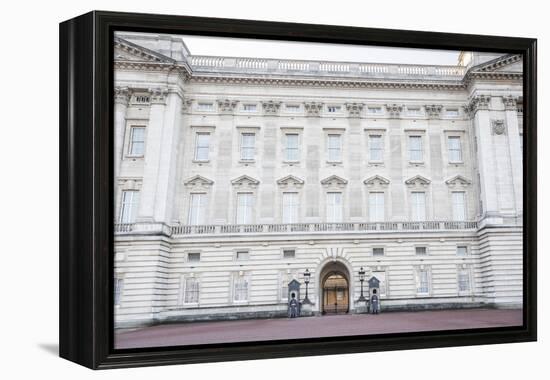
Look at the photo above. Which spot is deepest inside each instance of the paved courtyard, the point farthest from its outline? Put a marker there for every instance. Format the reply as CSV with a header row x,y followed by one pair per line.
x,y
312,327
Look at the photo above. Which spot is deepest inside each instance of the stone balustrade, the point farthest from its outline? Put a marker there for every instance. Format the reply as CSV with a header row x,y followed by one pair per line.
x,y
364,227
205,64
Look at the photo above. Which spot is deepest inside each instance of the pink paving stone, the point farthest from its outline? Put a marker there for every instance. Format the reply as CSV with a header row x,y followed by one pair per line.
x,y
313,327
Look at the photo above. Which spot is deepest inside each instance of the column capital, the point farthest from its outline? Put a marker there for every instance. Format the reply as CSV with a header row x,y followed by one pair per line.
x,y
187,105
476,103
510,102
394,110
227,106
313,108
271,107
433,110
122,95
158,95
354,109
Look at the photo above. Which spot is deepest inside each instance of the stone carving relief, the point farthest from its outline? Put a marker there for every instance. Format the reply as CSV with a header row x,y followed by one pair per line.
x,y
498,127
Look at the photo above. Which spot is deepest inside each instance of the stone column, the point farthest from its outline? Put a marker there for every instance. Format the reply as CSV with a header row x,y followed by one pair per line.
x,y
122,96
479,108
516,160
152,155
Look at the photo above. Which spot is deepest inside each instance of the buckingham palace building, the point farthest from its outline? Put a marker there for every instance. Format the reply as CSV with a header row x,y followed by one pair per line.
x,y
236,175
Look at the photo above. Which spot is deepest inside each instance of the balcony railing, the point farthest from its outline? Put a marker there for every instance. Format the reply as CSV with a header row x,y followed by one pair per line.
x,y
232,229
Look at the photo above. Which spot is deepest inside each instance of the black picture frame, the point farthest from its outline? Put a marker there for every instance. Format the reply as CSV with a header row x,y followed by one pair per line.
x,y
86,189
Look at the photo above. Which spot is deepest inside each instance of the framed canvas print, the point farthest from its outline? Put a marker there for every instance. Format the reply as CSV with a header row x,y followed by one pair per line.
x,y
237,189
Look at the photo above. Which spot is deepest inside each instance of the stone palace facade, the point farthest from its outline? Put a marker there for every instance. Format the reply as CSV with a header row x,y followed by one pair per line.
x,y
233,176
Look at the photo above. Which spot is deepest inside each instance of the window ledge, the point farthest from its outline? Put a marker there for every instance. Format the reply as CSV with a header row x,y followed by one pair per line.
x,y
129,156
201,161
241,161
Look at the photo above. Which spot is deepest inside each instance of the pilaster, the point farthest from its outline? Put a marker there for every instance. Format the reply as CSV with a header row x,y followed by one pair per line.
x,y
148,200
511,118
122,97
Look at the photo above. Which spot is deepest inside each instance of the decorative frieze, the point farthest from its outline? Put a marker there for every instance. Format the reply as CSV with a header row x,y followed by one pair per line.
x,y
498,127
394,110
433,110
354,109
158,95
227,106
313,108
122,95
271,107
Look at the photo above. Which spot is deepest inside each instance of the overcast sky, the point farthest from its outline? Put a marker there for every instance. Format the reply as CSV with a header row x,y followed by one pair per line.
x,y
316,51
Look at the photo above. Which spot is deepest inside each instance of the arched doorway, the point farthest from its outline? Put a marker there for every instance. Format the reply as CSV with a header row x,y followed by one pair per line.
x,y
335,298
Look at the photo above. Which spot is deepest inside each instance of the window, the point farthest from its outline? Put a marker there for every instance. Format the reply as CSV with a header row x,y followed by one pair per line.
x,y
453,112
119,285
292,150
191,290
376,207
242,255
420,250
423,285
459,205
418,206
240,289
463,280
137,141
194,257
205,106
376,151
415,148
244,208
334,207
381,276
374,110
292,108
290,207
455,149
378,251
462,250
333,109
289,253
249,107
248,141
202,146
129,206
335,148
197,209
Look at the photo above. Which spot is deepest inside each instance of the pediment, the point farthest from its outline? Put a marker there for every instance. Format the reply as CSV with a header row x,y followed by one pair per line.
x,y
198,180
334,180
290,180
418,180
128,51
376,180
245,180
507,63
458,180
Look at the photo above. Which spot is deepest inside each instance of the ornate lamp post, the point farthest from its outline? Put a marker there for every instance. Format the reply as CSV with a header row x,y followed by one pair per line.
x,y
361,278
307,275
